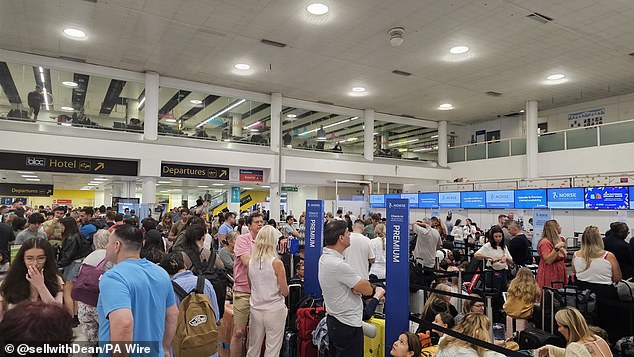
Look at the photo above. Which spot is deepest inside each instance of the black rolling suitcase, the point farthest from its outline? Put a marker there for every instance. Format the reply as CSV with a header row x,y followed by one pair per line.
x,y
289,344
534,338
295,295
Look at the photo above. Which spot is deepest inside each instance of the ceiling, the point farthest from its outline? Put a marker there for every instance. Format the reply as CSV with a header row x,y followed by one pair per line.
x,y
325,56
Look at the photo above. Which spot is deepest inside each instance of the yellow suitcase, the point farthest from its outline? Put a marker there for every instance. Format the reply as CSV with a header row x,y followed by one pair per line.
x,y
375,347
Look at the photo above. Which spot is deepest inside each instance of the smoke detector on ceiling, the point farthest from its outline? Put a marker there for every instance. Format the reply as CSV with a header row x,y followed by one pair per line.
x,y
396,36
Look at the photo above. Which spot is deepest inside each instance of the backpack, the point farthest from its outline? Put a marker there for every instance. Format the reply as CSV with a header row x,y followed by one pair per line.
x,y
625,290
86,287
217,277
196,328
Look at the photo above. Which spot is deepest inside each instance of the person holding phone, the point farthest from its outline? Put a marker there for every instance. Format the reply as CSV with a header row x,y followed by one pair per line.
x,y
32,276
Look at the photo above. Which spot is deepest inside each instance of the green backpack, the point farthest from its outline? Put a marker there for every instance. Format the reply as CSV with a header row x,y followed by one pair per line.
x,y
196,329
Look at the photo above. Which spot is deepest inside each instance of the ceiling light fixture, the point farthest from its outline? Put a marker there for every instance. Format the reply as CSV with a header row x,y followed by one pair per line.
x,y
522,111
203,186
403,142
33,179
266,186
396,36
291,115
358,89
247,188
70,84
171,120
75,33
235,104
164,182
217,184
242,66
68,109
100,179
255,123
328,126
141,103
29,176
445,106
433,136
317,9
94,183
67,124
196,101
26,172
556,76
459,49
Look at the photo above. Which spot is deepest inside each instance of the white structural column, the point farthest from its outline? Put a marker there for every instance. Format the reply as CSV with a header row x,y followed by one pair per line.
x,y
276,142
442,143
150,116
368,134
531,139
276,123
149,190
274,193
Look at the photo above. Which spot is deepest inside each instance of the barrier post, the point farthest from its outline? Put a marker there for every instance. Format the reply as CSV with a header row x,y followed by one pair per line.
x,y
397,270
489,315
314,246
460,289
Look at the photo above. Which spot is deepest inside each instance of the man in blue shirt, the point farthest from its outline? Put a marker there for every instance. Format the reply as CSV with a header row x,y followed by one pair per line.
x,y
136,300
230,219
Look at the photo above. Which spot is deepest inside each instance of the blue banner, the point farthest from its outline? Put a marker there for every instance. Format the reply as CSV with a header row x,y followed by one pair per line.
x,y
235,194
540,216
397,270
313,246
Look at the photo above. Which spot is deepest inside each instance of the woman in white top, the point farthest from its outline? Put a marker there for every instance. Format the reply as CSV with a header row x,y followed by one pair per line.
x,y
268,288
581,342
594,267
458,232
378,247
494,251
475,325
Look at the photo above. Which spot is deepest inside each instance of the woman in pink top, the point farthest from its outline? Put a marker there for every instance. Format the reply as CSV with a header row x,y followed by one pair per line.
x,y
552,255
268,287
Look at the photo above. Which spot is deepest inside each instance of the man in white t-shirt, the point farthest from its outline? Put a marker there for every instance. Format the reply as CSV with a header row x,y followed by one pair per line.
x,y
359,255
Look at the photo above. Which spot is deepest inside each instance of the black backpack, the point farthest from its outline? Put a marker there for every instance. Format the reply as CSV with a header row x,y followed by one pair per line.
x,y
217,277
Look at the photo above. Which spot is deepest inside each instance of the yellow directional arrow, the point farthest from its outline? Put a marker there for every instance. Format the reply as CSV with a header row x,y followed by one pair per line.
x,y
100,165
223,173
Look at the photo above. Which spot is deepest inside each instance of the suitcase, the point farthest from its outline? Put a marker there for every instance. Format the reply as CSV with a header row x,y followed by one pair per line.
x,y
289,344
225,331
375,347
534,338
307,320
295,295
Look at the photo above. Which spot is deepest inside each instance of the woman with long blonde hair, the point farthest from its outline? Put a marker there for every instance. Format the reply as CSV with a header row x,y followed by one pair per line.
x,y
552,255
523,292
437,303
268,288
594,267
475,325
580,341
378,247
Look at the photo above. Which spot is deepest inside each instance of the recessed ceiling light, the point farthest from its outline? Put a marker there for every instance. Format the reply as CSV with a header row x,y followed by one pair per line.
x,y
196,101
33,179
242,66
255,130
203,186
171,120
556,76
433,136
291,115
68,109
94,183
266,186
70,84
75,33
67,124
358,89
29,176
522,111
164,182
317,9
26,172
217,184
459,49
445,106
247,188
100,179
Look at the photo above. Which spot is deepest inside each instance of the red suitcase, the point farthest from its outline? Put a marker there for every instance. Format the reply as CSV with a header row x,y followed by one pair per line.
x,y
307,320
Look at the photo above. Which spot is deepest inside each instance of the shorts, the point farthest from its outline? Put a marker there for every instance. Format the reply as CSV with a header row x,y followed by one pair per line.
x,y
71,271
241,305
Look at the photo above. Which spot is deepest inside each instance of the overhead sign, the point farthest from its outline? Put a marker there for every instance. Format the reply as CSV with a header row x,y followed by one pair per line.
x,y
67,164
397,267
428,200
25,190
473,199
194,171
313,246
235,194
252,175
290,189
449,199
566,198
500,199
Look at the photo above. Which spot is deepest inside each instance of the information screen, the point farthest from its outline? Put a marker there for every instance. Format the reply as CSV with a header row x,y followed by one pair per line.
x,y
449,199
413,199
500,199
609,197
473,199
631,197
528,199
570,198
428,200
392,195
377,201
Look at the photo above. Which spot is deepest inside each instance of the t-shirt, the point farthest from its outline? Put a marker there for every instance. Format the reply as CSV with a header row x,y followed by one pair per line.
x,y
368,231
378,268
57,229
224,229
28,234
358,254
495,253
177,228
518,248
188,281
427,242
145,289
244,245
337,279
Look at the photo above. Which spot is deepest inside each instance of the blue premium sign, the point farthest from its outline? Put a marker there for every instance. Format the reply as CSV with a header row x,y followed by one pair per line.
x,y
313,246
235,194
397,269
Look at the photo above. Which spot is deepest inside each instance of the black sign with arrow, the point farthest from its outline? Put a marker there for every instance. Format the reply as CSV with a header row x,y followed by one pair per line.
x,y
67,164
16,189
197,172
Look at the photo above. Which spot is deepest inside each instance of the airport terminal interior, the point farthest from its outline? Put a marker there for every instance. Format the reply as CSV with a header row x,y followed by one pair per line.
x,y
470,161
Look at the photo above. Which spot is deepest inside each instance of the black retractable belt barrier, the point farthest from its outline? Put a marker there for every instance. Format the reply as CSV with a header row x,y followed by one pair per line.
x,y
474,341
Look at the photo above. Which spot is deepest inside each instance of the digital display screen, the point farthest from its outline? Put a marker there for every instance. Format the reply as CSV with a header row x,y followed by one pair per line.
x,y
428,200
631,197
449,199
392,195
413,199
475,199
500,199
528,199
377,201
609,197
570,198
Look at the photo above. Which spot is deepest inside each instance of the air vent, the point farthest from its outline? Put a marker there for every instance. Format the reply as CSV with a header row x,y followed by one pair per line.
x,y
401,73
494,94
272,43
72,59
511,115
540,18
324,102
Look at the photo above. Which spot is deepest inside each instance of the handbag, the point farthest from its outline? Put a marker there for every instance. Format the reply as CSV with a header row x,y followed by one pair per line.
x,y
86,288
625,290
